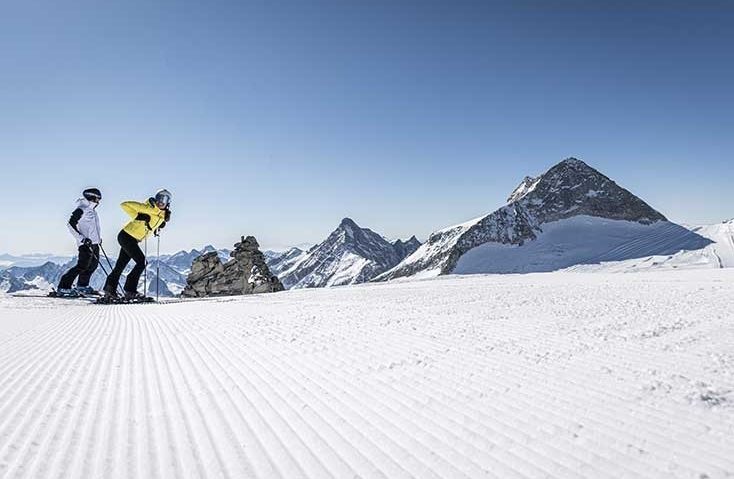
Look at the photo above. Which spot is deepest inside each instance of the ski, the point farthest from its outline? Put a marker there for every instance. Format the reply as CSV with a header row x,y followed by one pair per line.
x,y
143,300
52,295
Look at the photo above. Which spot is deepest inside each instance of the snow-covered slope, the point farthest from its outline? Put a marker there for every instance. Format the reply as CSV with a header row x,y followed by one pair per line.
x,y
350,255
581,240
516,376
718,253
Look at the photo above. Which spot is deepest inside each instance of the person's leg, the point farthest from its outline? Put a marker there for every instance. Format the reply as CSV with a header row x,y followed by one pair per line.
x,y
131,283
91,260
67,280
122,260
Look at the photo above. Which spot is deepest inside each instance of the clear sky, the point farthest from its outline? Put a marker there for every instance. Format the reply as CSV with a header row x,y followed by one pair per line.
x,y
277,119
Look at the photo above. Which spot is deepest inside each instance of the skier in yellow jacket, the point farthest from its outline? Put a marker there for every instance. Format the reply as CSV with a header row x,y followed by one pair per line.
x,y
148,217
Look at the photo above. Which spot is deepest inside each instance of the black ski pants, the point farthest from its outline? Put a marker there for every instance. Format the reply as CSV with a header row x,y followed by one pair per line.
x,y
85,266
129,250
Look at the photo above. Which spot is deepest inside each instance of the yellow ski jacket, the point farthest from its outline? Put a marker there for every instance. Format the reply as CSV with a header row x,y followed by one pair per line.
x,y
146,218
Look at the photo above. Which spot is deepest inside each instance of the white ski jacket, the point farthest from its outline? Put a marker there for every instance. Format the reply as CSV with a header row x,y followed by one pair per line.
x,y
84,222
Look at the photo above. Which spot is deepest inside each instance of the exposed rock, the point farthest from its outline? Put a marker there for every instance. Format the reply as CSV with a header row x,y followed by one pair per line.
x,y
406,248
245,273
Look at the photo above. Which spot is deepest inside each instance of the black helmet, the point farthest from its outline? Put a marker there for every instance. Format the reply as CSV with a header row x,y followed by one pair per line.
x,y
92,194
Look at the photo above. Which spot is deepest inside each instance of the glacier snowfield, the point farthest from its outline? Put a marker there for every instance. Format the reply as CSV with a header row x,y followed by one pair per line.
x,y
560,375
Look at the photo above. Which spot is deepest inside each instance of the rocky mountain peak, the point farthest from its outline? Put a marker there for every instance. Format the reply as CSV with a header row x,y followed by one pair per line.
x,y
572,188
569,188
348,223
349,255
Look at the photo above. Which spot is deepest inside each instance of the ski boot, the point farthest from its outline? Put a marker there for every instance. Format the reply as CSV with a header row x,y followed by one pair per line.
x,y
110,297
135,297
65,293
87,291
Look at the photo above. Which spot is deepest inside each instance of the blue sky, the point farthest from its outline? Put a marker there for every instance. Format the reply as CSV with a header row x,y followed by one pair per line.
x,y
277,119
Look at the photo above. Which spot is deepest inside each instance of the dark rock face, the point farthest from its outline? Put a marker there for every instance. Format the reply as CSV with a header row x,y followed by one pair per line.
x,y
246,273
570,188
406,248
573,188
350,255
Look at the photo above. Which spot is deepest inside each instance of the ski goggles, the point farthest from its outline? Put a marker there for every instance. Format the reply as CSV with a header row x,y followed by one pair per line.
x,y
163,199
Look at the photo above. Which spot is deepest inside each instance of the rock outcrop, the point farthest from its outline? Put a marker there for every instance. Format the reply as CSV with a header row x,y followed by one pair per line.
x,y
245,273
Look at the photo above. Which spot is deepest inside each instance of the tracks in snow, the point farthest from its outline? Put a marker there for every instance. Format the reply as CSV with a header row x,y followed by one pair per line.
x,y
512,377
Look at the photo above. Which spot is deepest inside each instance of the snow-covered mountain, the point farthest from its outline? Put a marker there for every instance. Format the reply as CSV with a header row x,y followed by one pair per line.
x,y
21,278
278,262
349,255
571,214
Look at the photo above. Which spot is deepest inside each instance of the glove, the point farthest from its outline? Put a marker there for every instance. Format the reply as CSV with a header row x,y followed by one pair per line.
x,y
167,215
143,217
87,242
158,230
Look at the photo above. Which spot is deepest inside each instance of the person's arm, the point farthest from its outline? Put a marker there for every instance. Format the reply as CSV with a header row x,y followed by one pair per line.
x,y
76,215
133,208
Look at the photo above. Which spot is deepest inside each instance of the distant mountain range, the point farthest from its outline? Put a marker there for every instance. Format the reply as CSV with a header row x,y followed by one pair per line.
x,y
570,217
29,260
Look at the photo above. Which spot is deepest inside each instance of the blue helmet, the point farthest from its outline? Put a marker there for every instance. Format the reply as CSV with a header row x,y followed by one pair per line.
x,y
163,196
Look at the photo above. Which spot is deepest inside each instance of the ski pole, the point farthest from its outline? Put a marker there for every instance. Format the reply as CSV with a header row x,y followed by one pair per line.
x,y
158,266
145,271
99,262
117,286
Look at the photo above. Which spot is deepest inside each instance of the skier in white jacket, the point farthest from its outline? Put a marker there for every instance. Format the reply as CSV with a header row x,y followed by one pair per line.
x,y
84,226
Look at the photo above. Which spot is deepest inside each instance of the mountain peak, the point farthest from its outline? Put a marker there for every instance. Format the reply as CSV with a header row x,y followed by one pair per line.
x,y
572,161
569,189
571,172
349,255
348,223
